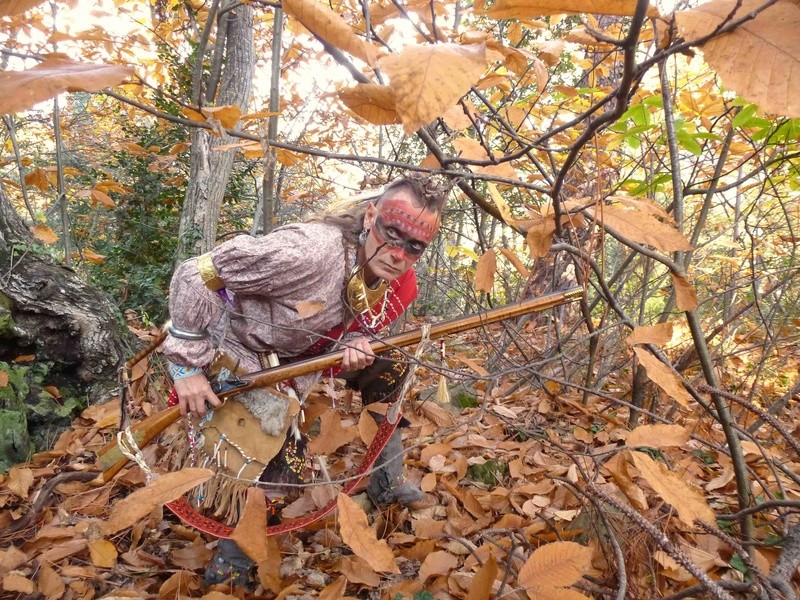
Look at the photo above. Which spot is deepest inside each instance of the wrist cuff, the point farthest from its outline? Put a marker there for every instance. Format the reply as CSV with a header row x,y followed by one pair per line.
x,y
180,372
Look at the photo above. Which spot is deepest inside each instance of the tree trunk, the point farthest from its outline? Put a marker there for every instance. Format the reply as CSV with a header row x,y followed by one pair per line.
x,y
211,168
56,332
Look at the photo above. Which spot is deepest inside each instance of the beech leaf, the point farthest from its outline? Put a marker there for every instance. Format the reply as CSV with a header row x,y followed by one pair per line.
x,y
251,530
760,59
658,435
50,584
329,26
427,80
540,235
44,234
481,586
672,488
103,553
9,8
525,9
637,220
437,563
307,308
516,261
361,538
372,102
685,294
485,270
165,489
228,116
20,480
332,435
18,583
663,377
553,567
651,334
20,90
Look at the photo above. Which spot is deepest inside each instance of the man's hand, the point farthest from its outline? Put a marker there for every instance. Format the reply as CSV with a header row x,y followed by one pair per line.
x,y
193,394
357,354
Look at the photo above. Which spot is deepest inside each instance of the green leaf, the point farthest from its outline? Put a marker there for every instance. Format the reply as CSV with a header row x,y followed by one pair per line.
x,y
687,142
738,564
742,119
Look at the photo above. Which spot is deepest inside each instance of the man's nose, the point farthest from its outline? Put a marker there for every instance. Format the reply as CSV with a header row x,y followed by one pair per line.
x,y
398,253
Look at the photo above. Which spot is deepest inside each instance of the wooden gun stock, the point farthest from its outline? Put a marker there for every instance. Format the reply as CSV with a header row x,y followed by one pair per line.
x,y
112,460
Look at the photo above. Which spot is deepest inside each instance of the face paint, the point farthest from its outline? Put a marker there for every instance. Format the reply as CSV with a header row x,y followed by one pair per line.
x,y
402,216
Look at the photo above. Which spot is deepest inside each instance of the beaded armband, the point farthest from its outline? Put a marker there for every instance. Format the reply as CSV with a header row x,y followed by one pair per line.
x,y
208,273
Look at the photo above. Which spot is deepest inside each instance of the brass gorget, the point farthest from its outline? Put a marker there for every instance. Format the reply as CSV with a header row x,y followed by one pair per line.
x,y
360,296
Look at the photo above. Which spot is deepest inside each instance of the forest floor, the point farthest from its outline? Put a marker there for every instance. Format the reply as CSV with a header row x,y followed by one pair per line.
x,y
539,493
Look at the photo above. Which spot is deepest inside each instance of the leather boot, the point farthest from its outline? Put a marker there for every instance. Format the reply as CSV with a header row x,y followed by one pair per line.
x,y
230,564
388,485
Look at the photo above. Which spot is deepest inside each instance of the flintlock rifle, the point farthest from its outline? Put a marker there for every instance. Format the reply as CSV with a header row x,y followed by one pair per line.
x,y
112,460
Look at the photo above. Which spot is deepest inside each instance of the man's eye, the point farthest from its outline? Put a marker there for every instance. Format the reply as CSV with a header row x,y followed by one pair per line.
x,y
417,247
392,233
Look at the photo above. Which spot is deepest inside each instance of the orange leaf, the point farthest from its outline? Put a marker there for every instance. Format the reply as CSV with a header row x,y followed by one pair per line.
x,y
373,103
688,500
427,80
17,583
140,503
53,391
663,377
50,584
659,435
93,257
655,334
44,234
320,20
38,178
525,9
481,586
103,198
515,260
3,379
437,563
540,235
752,59
307,309
251,531
20,90
361,538
192,557
358,571
685,294
228,116
641,221
332,435
9,8
19,481
552,568
103,553
485,270
335,590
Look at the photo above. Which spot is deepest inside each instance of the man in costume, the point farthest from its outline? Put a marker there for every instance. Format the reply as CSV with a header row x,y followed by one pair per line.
x,y
295,293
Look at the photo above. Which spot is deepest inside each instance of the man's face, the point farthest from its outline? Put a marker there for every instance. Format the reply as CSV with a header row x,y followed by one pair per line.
x,y
399,232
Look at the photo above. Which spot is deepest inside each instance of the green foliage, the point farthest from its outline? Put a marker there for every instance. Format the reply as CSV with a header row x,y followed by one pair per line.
x,y
139,236
30,416
491,473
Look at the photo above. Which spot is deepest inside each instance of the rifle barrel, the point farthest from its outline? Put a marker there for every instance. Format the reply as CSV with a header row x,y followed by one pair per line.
x,y
112,460
453,326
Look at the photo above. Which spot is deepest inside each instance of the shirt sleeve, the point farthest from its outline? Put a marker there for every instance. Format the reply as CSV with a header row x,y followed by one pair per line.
x,y
283,263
